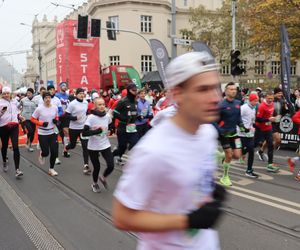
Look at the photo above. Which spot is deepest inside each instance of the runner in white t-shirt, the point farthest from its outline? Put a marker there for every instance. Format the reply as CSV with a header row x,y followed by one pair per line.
x,y
167,191
76,113
46,116
56,103
96,127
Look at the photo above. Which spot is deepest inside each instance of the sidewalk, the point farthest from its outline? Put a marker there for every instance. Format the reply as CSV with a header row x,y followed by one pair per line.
x,y
72,213
12,235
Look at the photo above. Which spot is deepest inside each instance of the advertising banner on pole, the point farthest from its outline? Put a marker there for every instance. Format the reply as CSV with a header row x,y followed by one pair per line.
x,y
161,58
77,60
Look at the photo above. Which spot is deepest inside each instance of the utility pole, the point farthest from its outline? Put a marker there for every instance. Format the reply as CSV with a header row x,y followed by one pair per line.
x,y
40,64
233,14
173,35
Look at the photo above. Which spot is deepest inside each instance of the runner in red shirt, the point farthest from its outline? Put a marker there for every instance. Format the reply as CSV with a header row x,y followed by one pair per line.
x,y
264,119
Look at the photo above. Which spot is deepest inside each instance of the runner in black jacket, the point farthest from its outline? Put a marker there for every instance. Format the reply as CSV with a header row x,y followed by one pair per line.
x,y
126,113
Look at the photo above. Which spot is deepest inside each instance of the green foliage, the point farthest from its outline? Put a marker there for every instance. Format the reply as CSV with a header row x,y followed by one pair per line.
x,y
215,29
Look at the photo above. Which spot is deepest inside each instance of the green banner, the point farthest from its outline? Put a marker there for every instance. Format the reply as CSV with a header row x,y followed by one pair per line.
x,y
134,76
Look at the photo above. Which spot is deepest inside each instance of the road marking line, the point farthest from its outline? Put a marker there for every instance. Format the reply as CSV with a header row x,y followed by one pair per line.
x,y
261,175
294,204
291,210
33,227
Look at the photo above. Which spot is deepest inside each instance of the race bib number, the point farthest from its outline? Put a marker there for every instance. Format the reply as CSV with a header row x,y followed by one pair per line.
x,y
131,128
56,131
238,143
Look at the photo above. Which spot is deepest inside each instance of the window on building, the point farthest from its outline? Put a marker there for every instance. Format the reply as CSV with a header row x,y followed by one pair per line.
x,y
275,67
185,3
115,20
243,65
293,68
259,68
114,60
225,67
241,44
146,63
146,24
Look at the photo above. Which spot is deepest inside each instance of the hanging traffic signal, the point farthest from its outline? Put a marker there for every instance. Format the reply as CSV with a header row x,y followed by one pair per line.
x,y
111,32
235,63
82,27
95,27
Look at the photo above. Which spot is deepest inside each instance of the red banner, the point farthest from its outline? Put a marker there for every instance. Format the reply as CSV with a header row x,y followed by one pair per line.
x,y
77,60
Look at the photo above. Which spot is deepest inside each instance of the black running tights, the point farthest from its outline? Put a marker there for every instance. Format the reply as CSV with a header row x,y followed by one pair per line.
x,y
108,157
12,132
74,134
49,142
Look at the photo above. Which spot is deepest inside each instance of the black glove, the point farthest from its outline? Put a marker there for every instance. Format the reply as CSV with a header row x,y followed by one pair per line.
x,y
55,121
219,193
206,216
99,130
45,124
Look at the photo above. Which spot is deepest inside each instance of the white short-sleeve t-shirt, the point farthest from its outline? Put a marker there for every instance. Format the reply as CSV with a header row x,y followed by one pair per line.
x,y
76,108
98,142
46,114
171,172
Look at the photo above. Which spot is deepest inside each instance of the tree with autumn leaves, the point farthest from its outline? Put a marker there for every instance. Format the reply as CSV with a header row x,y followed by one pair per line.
x,y
257,26
263,19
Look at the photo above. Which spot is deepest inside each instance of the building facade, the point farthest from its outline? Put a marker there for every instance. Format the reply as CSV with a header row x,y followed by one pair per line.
x,y
137,21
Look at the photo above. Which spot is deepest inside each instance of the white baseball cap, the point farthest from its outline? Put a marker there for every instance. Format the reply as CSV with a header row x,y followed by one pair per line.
x,y
95,95
6,89
188,65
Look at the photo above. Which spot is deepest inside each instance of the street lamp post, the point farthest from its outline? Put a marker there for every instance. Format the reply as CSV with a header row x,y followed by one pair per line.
x,y
173,35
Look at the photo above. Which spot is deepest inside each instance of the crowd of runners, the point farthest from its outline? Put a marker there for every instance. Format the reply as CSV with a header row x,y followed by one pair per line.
x,y
249,119
90,116
180,126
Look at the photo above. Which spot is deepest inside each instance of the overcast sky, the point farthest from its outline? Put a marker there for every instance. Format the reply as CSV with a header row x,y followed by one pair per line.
x,y
15,37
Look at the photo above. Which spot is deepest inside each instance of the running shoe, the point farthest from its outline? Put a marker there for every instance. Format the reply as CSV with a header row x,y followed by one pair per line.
x,y
251,175
261,156
96,188
5,167
272,168
52,172
19,173
86,169
41,159
119,161
57,161
104,182
291,165
297,177
66,154
225,181
30,149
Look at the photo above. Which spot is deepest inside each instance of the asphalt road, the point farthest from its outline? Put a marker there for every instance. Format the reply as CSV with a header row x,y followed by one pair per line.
x,y
260,214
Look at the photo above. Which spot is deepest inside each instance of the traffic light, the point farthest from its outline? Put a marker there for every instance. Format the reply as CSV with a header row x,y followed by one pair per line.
x,y
95,28
111,32
82,27
235,61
